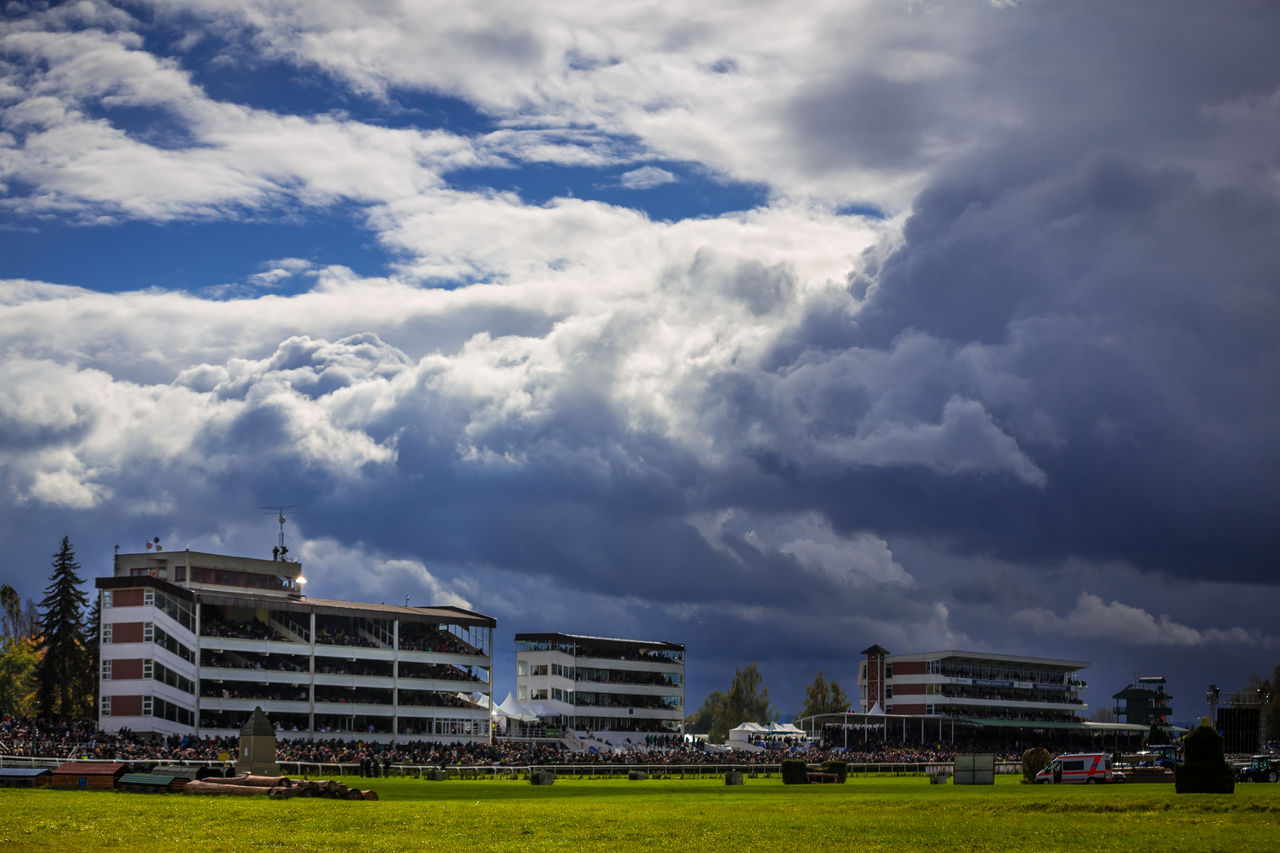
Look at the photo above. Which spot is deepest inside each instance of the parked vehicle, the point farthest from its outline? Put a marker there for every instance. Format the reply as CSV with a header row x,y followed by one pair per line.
x,y
1262,768
1078,768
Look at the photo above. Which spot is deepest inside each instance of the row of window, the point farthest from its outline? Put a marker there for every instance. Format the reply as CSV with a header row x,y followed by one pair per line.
x,y
151,633
154,671
176,609
595,674
251,580
154,706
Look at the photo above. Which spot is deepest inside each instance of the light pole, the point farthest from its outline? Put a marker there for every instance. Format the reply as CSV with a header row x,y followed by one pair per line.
x,y
1264,699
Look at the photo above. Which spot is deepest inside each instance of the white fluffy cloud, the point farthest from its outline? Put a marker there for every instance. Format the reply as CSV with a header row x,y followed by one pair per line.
x,y
1063,332
647,177
1097,620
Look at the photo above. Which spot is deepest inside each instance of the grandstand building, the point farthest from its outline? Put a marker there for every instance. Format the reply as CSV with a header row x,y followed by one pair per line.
x,y
192,642
599,684
1144,703
982,688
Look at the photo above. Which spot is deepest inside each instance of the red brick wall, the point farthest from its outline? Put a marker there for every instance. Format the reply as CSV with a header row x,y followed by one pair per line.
x,y
126,598
126,632
906,689
875,684
908,667
897,708
126,706
126,668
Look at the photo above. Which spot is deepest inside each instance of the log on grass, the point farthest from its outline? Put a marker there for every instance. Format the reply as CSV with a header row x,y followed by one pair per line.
x,y
200,787
262,781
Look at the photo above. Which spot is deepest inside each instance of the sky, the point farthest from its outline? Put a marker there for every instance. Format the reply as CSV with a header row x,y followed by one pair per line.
x,y
778,330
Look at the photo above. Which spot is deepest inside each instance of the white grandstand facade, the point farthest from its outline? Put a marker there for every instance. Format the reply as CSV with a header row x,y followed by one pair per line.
x,y
192,642
601,684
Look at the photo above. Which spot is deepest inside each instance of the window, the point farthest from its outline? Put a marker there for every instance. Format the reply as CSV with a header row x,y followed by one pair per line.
x,y
180,574
148,632
146,706
522,667
148,598
539,669
888,691
148,668
106,632
888,670
106,598
522,693
538,694
106,670
105,704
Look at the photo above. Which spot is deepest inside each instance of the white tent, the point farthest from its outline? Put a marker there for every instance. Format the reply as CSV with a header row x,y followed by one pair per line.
x,y
747,732
513,710
876,709
789,729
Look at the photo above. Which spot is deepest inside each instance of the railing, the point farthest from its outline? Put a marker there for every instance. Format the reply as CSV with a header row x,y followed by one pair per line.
x,y
580,771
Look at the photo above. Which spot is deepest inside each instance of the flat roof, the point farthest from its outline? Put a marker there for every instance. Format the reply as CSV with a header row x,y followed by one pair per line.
x,y
337,607
661,644
204,559
991,656
89,768
130,582
296,603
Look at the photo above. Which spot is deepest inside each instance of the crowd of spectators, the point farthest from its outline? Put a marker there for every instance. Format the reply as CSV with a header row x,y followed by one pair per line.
x,y
413,639
250,660
81,739
213,625
336,634
249,690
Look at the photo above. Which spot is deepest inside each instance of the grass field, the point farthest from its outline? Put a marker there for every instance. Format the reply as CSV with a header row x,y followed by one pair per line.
x,y
863,814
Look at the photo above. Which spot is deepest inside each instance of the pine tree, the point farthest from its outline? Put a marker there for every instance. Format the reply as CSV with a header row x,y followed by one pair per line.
x,y
63,677
94,650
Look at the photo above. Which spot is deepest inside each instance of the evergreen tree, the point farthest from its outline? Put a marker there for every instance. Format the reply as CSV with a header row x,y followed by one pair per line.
x,y
823,697
63,677
92,632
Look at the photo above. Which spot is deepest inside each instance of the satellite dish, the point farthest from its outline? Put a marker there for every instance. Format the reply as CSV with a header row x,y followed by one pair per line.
x,y
148,546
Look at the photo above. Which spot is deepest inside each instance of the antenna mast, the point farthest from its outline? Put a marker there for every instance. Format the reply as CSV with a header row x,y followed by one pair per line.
x,y
280,550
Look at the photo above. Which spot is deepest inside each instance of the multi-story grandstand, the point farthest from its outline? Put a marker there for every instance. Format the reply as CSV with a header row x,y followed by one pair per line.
x,y
979,687
192,642
599,684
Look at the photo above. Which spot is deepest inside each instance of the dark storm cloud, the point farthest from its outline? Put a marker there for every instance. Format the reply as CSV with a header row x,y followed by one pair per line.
x,y
1054,393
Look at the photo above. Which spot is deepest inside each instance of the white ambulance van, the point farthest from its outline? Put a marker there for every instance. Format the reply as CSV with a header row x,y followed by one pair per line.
x,y
1090,767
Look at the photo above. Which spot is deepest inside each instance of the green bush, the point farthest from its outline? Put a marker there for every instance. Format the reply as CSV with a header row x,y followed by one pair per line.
x,y
840,768
795,772
1205,770
1034,760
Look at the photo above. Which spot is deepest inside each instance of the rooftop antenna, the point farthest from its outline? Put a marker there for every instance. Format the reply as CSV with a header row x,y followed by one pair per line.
x,y
280,551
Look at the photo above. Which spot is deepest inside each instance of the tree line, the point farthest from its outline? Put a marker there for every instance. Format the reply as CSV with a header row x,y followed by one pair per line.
x,y
49,657
747,701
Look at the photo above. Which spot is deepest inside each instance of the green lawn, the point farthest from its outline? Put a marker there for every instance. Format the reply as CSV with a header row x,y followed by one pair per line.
x,y
863,814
